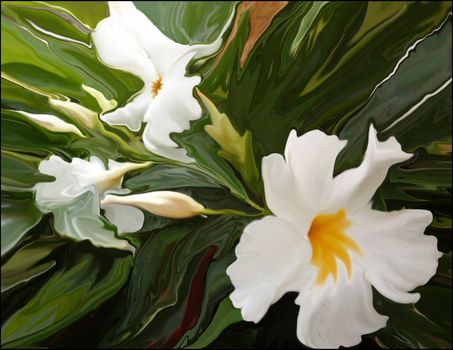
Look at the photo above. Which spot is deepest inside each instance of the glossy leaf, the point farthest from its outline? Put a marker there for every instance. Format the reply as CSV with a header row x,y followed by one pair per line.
x,y
25,264
72,291
18,216
235,148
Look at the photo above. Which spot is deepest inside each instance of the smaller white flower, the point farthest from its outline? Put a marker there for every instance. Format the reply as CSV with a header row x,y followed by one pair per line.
x,y
128,40
74,198
325,242
169,204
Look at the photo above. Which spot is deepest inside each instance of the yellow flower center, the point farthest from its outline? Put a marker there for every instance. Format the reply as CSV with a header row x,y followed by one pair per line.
x,y
329,242
156,86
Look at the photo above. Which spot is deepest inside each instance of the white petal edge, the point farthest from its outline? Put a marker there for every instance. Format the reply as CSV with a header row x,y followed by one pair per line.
x,y
81,220
281,191
354,188
270,249
65,187
132,113
398,257
119,48
310,160
163,51
334,315
171,112
127,219
52,123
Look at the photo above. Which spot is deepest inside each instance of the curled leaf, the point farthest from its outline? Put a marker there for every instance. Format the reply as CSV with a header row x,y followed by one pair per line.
x,y
236,149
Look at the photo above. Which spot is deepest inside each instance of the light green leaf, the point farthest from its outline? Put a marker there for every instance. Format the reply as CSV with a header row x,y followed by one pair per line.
x,y
24,265
236,149
20,171
18,216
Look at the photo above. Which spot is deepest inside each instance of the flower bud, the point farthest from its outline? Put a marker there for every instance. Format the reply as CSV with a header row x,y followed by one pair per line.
x,y
81,114
52,123
168,204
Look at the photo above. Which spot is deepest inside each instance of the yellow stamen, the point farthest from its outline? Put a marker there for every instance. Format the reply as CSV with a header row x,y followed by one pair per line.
x,y
156,86
329,242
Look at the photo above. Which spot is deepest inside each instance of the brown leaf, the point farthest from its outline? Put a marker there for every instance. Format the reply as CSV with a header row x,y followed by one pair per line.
x,y
261,15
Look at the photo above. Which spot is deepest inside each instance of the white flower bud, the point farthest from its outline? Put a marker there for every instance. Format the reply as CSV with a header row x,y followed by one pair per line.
x,y
168,204
52,123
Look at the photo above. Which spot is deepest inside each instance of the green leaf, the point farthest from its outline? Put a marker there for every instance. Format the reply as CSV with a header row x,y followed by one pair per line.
x,y
348,49
400,104
226,315
25,264
80,286
167,283
175,18
20,171
169,177
425,325
191,181
19,215
444,271
236,149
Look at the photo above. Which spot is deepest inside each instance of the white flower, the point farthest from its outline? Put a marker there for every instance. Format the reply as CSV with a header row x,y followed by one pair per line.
x,y
325,242
128,40
163,203
75,194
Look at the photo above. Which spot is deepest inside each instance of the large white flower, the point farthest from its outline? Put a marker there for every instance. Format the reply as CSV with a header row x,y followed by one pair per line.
x,y
325,242
74,199
128,40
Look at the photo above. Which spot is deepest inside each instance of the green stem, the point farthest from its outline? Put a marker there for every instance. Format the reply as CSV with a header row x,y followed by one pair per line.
x,y
208,211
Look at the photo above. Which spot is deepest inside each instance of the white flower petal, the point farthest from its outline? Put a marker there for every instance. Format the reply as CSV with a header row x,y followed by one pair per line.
x,y
90,172
113,178
80,220
119,48
354,188
300,184
52,123
127,219
311,158
75,111
171,112
64,189
163,51
271,256
128,40
77,177
334,315
397,255
280,188
130,115
159,49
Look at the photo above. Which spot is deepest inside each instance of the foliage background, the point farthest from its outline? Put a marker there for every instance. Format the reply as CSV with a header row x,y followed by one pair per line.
x,y
332,66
